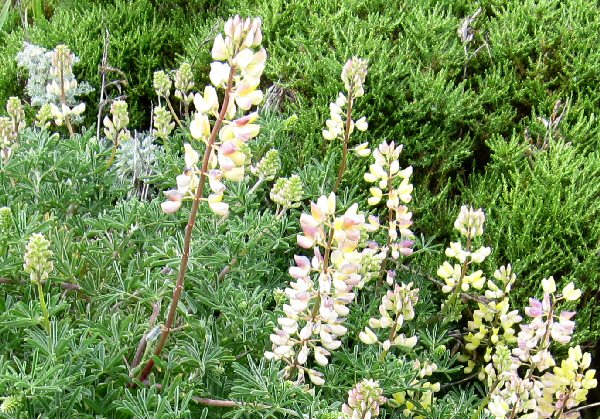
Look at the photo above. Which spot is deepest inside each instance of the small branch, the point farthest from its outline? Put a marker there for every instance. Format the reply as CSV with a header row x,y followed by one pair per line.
x,y
464,380
103,67
139,353
118,304
579,409
232,403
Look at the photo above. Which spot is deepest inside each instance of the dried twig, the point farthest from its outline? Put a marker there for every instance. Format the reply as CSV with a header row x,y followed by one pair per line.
x,y
103,71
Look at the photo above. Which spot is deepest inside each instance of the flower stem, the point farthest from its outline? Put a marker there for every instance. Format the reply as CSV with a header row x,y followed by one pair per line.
x,y
343,164
188,232
256,185
114,152
46,320
173,113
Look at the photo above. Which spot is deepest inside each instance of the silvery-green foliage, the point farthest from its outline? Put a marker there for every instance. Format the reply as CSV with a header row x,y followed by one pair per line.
x,y
137,158
38,61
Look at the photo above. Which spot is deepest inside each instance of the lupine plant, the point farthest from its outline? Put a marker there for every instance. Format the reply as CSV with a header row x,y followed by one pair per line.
x,y
237,69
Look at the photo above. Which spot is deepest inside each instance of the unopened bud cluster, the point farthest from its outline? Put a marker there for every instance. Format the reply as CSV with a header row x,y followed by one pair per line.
x,y
287,192
364,401
268,166
115,128
354,74
163,124
38,258
10,126
183,80
5,220
162,84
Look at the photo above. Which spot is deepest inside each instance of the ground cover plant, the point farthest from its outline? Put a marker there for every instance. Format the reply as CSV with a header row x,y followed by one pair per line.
x,y
226,247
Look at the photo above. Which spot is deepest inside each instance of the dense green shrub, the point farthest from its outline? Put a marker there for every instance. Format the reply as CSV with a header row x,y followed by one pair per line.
x,y
543,213
144,37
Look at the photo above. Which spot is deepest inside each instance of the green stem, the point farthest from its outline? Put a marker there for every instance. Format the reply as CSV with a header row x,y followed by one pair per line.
x,y
113,153
44,307
173,113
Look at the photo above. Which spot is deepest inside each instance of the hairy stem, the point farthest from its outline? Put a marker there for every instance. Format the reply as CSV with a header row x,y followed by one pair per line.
x,y
113,152
188,232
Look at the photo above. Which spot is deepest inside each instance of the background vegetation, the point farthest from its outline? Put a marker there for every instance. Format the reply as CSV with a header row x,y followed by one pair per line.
x,y
508,123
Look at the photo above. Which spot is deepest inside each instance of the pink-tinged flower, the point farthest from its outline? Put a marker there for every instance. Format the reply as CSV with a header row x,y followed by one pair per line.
x,y
304,242
173,202
534,309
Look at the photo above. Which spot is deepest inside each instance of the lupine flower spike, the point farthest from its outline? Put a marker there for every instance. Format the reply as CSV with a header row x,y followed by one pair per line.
x,y
456,276
38,264
364,401
393,185
115,129
62,82
321,291
238,67
340,125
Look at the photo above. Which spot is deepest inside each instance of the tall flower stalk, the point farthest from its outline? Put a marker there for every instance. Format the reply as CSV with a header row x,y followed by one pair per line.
x,y
237,70
340,125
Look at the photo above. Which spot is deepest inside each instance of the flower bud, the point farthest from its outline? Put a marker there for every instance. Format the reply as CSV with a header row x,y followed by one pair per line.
x,y
38,263
161,84
162,123
268,166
